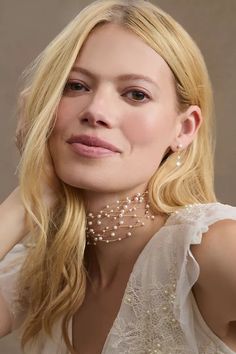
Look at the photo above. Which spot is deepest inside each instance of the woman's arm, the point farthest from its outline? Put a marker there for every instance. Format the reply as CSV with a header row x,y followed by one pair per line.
x,y
215,290
13,226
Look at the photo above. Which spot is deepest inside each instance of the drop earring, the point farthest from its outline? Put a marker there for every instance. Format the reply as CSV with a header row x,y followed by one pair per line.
x,y
178,162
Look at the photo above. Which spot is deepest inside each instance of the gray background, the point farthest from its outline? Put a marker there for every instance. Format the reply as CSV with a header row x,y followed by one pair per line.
x,y
27,26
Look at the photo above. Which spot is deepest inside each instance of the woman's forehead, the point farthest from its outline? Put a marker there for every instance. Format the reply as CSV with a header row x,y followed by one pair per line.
x,y
114,50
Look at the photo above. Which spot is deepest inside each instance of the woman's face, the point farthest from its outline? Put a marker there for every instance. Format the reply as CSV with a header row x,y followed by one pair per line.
x,y
121,92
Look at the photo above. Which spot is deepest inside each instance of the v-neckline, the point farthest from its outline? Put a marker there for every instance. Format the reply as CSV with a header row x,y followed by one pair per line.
x,y
136,263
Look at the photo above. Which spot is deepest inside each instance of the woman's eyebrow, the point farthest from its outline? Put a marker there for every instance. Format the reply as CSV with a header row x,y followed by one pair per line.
x,y
124,77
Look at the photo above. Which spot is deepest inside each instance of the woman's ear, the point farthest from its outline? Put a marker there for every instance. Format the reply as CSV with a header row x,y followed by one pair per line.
x,y
188,124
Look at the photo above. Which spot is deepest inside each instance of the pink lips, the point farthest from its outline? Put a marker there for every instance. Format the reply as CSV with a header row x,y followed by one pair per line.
x,y
91,146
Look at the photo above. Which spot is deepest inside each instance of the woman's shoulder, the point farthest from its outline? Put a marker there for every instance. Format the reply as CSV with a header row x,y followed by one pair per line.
x,y
218,242
216,284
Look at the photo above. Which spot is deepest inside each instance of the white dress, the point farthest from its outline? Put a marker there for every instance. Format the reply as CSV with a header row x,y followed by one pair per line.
x,y
158,313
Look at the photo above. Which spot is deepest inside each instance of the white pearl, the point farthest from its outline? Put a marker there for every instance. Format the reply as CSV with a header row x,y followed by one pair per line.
x,y
113,234
99,222
99,216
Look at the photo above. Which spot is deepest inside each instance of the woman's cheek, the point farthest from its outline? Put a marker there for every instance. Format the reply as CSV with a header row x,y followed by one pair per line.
x,y
143,129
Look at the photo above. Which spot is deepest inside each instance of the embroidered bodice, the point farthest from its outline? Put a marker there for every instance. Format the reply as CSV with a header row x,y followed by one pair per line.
x,y
158,313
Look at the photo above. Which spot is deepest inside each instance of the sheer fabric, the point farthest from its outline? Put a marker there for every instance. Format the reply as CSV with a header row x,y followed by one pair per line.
x,y
158,313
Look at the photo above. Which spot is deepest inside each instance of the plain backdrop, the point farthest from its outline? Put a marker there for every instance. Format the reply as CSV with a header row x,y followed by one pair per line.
x,y
27,26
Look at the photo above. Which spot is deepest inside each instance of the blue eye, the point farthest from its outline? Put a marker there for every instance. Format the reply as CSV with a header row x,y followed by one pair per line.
x,y
137,95
74,86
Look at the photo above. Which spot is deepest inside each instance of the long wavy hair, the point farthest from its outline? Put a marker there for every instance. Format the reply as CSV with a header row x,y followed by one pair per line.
x,y
53,278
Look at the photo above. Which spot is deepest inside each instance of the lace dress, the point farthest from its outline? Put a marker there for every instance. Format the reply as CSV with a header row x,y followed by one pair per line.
x,y
158,313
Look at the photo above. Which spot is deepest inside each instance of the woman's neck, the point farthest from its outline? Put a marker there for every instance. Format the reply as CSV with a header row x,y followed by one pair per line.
x,y
119,220
123,234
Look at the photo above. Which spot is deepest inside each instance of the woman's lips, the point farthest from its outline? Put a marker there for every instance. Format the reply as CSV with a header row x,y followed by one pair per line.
x,y
91,151
92,146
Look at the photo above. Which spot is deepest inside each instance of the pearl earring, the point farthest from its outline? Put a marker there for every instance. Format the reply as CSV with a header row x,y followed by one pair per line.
x,y
178,162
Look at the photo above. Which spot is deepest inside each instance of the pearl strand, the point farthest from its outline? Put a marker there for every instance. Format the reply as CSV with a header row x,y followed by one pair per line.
x,y
118,213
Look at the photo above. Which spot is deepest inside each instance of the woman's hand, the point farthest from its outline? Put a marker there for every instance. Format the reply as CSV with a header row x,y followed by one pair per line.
x,y
13,216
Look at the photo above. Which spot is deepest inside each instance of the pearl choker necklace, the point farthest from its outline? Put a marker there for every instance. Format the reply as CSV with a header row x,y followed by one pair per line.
x,y
115,222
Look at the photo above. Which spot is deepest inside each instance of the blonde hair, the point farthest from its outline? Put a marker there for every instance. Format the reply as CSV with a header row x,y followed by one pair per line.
x,y
53,278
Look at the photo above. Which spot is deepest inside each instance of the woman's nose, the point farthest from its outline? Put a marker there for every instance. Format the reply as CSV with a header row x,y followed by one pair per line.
x,y
100,110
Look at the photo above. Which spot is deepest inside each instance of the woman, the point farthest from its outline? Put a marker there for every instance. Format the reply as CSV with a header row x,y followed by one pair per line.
x,y
125,249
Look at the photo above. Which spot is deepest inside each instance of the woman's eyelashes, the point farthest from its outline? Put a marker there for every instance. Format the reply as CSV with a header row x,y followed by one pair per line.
x,y
137,95
74,87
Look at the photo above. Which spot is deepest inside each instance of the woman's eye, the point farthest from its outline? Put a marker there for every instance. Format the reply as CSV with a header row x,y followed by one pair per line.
x,y
137,95
74,86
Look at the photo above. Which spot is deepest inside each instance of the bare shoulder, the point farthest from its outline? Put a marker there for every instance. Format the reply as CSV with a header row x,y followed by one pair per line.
x,y
215,290
218,245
